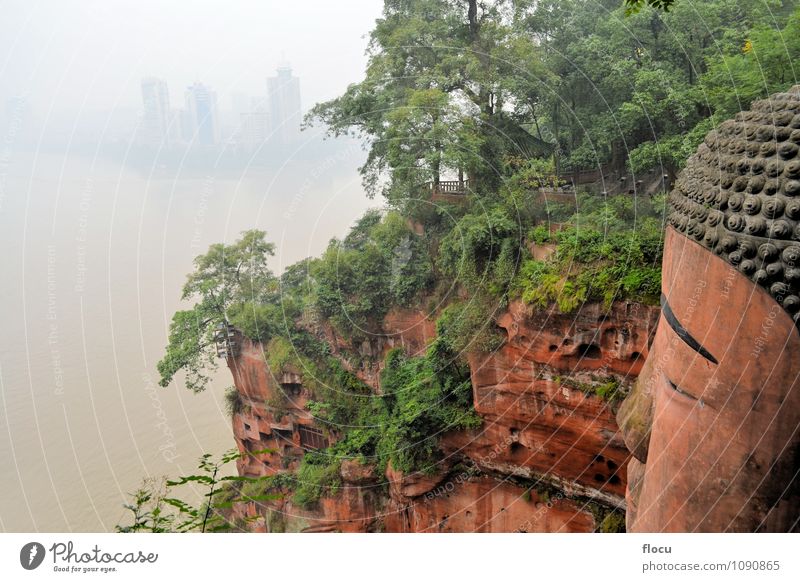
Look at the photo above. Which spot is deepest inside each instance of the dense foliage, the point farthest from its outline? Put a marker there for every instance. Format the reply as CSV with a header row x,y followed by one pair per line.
x,y
380,263
433,102
608,251
459,87
421,398
642,90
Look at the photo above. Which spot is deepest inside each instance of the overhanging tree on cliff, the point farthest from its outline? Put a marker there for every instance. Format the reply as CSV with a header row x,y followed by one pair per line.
x,y
228,282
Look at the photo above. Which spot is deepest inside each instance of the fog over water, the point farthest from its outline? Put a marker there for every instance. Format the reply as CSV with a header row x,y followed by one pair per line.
x,y
98,232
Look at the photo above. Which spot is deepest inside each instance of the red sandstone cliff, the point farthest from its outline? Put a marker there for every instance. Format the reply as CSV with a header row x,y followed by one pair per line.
x,y
548,456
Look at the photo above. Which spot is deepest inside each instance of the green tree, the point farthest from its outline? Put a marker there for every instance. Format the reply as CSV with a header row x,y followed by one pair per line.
x,y
634,6
439,97
380,263
154,507
762,63
629,90
224,280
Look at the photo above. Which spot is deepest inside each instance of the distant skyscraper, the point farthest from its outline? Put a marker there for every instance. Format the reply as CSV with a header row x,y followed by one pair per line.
x,y
283,92
154,129
254,125
199,119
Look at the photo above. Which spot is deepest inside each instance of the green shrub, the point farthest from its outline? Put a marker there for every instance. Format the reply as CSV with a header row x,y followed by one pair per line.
x,y
276,522
607,253
613,522
317,476
379,264
260,321
421,398
469,326
482,251
609,391
234,403
280,352
539,234
425,397
258,489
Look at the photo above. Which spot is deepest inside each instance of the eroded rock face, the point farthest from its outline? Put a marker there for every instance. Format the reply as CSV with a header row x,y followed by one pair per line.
x,y
485,504
713,420
548,451
272,417
409,329
538,396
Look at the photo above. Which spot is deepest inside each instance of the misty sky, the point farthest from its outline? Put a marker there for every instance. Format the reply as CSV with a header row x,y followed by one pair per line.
x,y
90,55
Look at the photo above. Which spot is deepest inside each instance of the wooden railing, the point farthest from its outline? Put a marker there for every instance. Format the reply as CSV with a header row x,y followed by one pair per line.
x,y
449,187
452,190
228,341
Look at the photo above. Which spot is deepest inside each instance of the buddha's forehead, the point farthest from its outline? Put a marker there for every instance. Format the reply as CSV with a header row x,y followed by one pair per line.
x,y
739,196
717,326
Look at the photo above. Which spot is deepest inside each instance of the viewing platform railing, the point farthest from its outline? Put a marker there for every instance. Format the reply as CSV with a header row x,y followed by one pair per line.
x,y
449,190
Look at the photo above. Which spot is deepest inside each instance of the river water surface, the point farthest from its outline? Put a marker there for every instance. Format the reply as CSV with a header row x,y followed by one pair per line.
x,y
94,255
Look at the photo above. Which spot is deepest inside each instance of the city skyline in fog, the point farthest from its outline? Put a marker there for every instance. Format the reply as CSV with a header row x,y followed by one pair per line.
x,y
249,124
79,65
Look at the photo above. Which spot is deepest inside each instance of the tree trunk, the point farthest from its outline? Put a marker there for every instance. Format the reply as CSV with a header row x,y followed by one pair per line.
x,y
557,150
472,17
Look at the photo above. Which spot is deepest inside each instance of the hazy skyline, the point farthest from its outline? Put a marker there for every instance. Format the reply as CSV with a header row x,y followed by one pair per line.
x,y
89,56
99,239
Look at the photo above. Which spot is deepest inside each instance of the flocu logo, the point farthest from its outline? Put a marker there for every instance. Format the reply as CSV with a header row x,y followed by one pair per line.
x,y
31,555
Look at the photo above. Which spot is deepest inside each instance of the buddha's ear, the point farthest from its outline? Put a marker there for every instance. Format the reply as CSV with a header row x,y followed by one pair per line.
x,y
635,414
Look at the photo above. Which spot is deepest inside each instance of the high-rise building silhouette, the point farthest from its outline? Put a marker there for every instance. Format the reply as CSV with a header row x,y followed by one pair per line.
x,y
154,129
199,119
254,126
283,93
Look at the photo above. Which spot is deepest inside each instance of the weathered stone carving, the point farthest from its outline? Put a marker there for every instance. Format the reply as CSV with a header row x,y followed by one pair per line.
x,y
739,196
713,422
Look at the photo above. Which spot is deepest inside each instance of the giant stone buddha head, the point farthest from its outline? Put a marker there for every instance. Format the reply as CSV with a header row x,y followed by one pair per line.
x,y
713,422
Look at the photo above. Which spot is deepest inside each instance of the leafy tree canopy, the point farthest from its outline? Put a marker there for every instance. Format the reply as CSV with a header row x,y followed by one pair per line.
x,y
634,6
445,82
224,280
